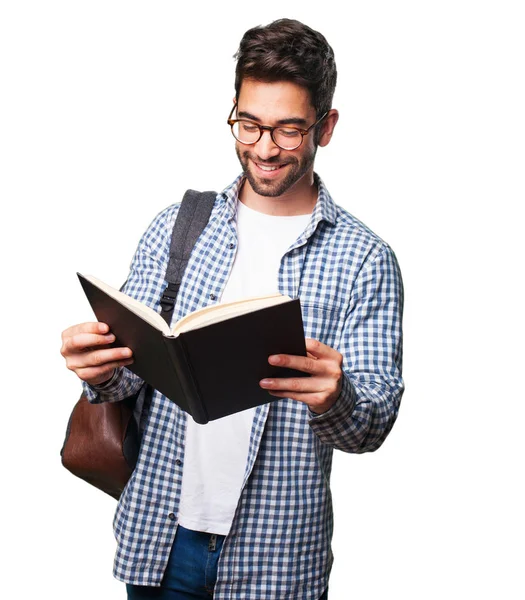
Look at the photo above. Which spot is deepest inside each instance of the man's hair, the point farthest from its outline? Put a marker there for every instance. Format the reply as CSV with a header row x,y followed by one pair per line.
x,y
287,50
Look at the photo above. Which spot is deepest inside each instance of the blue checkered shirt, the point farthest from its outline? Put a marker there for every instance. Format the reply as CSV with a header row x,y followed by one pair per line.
x,y
351,296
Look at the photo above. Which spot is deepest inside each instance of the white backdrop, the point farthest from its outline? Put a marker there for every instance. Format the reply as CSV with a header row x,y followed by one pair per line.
x,y
109,110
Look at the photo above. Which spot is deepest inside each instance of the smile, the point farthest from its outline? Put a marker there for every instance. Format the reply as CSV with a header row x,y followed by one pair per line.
x,y
264,168
268,168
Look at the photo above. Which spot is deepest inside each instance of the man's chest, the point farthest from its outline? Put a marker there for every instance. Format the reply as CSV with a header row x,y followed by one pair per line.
x,y
312,269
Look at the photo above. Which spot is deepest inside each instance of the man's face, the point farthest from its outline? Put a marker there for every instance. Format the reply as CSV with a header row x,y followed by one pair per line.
x,y
270,170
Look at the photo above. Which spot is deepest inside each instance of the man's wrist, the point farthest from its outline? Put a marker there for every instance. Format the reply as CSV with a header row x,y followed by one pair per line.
x,y
343,405
105,384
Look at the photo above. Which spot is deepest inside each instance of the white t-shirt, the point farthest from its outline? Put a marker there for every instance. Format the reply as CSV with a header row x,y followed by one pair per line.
x,y
216,453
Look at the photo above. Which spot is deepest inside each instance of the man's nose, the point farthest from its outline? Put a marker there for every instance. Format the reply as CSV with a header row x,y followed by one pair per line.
x,y
266,147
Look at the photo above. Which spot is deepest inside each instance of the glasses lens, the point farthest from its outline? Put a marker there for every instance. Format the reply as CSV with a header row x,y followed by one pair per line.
x,y
287,138
246,132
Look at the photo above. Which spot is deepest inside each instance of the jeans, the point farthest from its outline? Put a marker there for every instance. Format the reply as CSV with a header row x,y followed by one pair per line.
x,y
192,569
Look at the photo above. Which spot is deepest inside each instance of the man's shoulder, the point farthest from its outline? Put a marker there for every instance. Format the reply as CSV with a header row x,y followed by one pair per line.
x,y
158,233
356,249
350,225
346,231
352,235
165,219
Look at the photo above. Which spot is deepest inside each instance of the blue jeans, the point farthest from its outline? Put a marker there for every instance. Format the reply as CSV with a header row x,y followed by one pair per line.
x,y
192,569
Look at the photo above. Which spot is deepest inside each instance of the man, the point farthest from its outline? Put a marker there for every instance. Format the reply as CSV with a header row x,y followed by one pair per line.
x,y
241,507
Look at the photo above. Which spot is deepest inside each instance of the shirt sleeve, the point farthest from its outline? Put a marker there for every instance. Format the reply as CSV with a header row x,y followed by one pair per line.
x,y
371,345
146,284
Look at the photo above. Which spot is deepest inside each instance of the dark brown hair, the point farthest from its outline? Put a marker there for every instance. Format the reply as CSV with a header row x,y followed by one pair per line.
x,y
287,50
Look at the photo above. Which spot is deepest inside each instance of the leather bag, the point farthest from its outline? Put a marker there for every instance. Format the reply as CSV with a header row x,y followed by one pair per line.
x,y
102,441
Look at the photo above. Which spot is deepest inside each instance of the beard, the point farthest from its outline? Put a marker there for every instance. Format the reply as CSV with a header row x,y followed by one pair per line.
x,y
295,169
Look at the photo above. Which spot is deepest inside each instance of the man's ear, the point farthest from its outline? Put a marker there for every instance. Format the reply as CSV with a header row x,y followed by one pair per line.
x,y
328,126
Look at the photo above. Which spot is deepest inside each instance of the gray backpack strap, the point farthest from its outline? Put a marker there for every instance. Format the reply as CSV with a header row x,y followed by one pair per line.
x,y
194,213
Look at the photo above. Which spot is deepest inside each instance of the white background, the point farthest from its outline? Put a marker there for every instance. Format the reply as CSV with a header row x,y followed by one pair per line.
x,y
110,110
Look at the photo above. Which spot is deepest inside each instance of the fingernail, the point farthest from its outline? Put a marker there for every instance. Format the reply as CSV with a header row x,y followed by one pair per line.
x,y
274,360
265,382
126,352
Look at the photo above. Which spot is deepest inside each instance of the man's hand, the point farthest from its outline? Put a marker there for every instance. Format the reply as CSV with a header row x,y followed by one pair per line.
x,y
85,348
319,391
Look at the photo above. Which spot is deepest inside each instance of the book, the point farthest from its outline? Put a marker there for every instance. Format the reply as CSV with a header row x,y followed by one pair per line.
x,y
211,361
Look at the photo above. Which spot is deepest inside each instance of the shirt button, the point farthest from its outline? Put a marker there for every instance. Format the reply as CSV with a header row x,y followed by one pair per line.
x,y
231,246
178,462
213,297
171,516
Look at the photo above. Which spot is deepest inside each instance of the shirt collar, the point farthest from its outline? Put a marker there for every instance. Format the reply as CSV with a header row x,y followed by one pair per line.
x,y
325,208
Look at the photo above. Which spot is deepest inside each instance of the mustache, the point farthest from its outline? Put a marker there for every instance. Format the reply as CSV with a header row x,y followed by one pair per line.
x,y
273,160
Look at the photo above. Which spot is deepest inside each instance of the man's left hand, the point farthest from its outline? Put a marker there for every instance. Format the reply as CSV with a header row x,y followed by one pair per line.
x,y
319,391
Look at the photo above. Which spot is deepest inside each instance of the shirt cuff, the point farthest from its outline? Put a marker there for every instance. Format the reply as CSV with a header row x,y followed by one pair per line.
x,y
329,424
102,392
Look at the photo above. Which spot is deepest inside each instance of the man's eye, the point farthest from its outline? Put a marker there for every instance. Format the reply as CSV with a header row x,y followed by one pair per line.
x,y
288,132
249,127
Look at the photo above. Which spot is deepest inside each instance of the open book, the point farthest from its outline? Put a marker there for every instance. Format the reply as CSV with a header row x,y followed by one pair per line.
x,y
211,361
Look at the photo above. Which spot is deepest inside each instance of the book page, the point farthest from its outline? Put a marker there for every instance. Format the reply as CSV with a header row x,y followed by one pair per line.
x,y
221,312
143,311
199,318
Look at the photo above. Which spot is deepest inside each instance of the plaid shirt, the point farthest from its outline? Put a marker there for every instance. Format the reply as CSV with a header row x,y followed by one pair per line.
x,y
351,296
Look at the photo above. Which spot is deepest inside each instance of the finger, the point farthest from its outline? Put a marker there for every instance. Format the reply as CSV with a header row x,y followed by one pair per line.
x,y
306,364
96,375
313,400
97,358
305,397
297,384
320,350
317,402
91,327
82,341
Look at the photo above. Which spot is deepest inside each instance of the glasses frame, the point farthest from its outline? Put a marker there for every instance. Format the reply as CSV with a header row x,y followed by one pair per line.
x,y
263,128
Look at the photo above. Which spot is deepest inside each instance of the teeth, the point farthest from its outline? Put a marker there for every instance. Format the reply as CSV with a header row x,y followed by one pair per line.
x,y
268,168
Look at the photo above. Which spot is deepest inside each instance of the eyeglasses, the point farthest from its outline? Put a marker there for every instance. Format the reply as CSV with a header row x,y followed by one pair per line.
x,y
287,138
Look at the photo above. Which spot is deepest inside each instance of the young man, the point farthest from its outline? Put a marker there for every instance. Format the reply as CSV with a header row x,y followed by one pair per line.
x,y
240,508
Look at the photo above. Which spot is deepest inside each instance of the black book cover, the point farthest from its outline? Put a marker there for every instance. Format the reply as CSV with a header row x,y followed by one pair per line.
x,y
212,371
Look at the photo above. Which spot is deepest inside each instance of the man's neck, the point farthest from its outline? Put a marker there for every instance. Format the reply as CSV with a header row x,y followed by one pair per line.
x,y
298,200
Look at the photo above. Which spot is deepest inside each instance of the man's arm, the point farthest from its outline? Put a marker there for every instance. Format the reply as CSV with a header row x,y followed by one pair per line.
x,y
353,395
86,351
104,376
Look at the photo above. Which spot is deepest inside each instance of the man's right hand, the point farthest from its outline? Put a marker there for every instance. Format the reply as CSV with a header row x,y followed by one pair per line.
x,y
85,348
